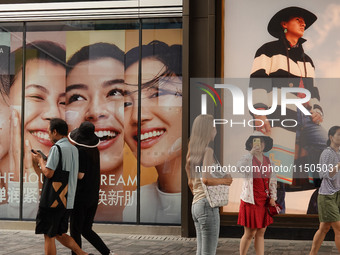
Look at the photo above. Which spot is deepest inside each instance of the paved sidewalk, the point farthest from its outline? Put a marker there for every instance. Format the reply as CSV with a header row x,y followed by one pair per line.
x,y
25,242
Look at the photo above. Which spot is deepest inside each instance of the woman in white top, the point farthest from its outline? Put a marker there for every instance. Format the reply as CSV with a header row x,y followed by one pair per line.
x,y
206,218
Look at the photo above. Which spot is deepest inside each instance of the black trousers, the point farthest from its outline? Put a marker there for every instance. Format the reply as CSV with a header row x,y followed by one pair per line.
x,y
81,222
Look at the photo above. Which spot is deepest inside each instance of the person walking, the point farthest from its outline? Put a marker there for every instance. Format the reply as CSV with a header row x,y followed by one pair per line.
x,y
329,192
206,218
259,184
51,220
87,194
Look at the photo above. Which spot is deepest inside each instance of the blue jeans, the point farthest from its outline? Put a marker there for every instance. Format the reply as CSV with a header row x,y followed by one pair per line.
x,y
207,224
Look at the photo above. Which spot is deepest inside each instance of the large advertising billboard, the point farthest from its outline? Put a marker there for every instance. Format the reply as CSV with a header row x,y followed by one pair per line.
x,y
80,75
282,91
278,83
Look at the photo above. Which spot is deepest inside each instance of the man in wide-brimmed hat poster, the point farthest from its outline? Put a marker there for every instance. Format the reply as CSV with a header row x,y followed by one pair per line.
x,y
279,64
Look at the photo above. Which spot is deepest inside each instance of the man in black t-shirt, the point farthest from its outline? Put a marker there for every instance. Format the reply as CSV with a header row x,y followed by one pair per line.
x,y
87,195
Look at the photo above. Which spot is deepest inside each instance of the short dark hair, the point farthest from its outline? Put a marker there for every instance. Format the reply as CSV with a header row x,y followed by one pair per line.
x,y
59,125
4,70
170,56
93,52
41,50
331,132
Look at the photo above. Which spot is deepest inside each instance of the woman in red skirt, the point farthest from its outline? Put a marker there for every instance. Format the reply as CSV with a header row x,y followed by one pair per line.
x,y
259,184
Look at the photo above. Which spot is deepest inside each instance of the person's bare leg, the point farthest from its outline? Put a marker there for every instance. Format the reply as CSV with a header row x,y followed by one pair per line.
x,y
50,248
336,229
319,237
246,239
259,241
69,242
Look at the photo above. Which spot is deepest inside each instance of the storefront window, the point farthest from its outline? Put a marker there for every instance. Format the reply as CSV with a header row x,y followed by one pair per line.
x,y
298,139
10,149
160,120
75,70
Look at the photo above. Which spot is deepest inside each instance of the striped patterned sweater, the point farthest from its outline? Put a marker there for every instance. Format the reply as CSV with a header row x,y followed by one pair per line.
x,y
276,64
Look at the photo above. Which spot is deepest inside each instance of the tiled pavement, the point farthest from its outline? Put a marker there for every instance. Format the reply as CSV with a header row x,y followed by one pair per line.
x,y
24,242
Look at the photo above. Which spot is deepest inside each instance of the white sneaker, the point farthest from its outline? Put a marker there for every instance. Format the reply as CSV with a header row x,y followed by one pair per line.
x,y
112,253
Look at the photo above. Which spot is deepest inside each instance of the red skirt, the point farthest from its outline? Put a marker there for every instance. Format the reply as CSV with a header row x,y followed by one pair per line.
x,y
255,216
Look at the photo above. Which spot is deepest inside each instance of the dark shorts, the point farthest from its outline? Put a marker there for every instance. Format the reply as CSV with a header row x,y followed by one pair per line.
x,y
52,222
329,207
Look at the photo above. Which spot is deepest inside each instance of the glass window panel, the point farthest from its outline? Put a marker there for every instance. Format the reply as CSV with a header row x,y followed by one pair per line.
x,y
11,35
62,55
94,59
130,154
161,121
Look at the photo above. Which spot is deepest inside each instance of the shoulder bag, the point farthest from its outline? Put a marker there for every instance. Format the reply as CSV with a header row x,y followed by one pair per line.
x,y
54,190
216,195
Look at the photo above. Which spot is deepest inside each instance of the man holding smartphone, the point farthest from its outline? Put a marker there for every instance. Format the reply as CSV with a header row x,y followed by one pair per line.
x,y
41,153
53,222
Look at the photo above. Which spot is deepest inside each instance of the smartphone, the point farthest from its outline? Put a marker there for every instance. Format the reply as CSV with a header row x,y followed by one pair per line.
x,y
257,141
42,154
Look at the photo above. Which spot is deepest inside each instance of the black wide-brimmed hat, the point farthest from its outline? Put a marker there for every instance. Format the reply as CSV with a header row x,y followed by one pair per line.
x,y
268,141
274,25
84,135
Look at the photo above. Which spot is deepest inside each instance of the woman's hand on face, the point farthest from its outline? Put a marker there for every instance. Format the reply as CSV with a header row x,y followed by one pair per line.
x,y
15,154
